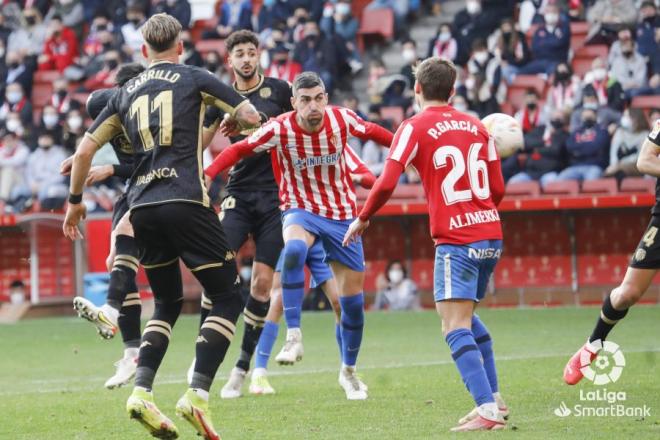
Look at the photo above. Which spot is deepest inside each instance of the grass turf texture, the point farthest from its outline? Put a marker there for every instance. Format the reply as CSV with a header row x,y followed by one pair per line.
x,y
52,372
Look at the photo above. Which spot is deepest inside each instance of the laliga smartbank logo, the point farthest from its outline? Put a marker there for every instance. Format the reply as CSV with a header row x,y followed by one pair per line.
x,y
604,369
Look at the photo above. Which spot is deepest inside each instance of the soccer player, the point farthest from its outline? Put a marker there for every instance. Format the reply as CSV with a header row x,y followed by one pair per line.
x,y
121,263
318,200
251,206
460,170
643,267
170,213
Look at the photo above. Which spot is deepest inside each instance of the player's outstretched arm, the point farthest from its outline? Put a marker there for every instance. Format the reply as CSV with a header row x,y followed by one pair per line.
x,y
648,161
76,210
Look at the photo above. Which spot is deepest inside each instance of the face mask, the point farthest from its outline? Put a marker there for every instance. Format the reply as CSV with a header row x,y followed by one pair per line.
x,y
135,21
13,65
563,75
14,97
481,57
531,105
444,37
343,9
590,106
14,125
45,145
557,124
469,83
112,64
212,67
473,7
627,53
551,19
409,55
280,61
395,275
75,122
31,21
589,123
188,45
269,3
599,74
101,28
626,122
246,273
65,2
61,93
460,107
50,120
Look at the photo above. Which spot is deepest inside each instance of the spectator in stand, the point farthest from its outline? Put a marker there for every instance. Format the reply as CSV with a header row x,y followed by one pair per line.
x,y
470,24
479,95
94,44
295,26
16,102
629,69
530,13
398,292
377,70
626,143
106,77
352,102
531,117
28,39
486,65
343,24
190,55
90,66
13,158
281,65
395,95
649,22
60,48
234,15
410,57
623,36
543,160
606,17
130,31
510,46
213,63
50,121
4,30
19,71
606,116
460,103
42,177
607,89
61,99
564,94
179,9
319,54
273,12
400,10
588,150
550,43
71,12
73,130
443,45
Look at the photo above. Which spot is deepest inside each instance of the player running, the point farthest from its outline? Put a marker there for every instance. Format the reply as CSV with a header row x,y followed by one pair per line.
x,y
318,200
170,213
642,269
462,178
122,261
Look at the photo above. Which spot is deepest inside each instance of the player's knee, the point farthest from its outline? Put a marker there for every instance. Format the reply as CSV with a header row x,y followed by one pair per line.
x,y
295,252
625,296
260,287
109,262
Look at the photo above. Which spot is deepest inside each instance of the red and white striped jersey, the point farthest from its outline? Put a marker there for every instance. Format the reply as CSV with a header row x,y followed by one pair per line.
x,y
316,167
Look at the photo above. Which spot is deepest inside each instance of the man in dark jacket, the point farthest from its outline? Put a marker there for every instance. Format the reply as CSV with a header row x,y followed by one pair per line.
x,y
550,44
471,23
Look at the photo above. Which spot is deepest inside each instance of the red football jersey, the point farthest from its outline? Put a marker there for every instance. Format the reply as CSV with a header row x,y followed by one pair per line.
x,y
460,171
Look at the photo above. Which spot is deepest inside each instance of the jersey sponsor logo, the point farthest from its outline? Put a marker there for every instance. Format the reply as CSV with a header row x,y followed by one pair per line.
x,y
315,161
160,173
265,92
151,74
443,126
484,254
473,218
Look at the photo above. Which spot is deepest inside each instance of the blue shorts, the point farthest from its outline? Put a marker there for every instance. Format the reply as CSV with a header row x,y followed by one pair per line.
x,y
320,270
331,234
463,271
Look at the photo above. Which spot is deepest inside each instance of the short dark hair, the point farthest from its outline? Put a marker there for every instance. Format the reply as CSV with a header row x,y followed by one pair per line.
x,y
392,263
479,44
532,91
127,72
241,37
307,80
436,77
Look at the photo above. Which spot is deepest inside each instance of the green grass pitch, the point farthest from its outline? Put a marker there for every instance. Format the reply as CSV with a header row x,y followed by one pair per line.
x,y
52,372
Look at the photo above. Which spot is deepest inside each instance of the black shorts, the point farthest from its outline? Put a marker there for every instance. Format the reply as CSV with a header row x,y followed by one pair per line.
x,y
647,254
121,208
256,214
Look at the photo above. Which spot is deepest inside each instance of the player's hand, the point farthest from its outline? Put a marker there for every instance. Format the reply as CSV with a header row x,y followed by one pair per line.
x,y
66,165
75,213
99,174
355,230
229,126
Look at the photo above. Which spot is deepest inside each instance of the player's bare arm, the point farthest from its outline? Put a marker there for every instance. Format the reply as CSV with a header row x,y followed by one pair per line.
x,y
82,162
648,161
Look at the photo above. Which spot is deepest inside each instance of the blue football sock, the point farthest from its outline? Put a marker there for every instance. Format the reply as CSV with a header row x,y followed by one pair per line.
x,y
352,323
466,355
485,344
293,281
266,342
338,338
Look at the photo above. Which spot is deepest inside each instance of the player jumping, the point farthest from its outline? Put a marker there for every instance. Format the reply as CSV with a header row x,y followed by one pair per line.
x,y
462,178
318,200
170,213
642,269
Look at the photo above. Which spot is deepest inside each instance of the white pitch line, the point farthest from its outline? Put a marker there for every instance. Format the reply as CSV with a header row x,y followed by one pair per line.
x,y
180,379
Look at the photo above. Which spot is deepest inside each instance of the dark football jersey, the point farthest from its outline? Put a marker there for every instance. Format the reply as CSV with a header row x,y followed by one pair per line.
x,y
654,136
161,111
271,97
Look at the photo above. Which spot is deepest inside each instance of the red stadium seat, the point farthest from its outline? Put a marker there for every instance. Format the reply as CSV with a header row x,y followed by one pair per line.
x,y
646,102
357,7
206,46
579,27
581,66
638,185
519,86
523,189
378,23
41,94
395,114
46,76
567,187
199,26
585,55
599,186
408,192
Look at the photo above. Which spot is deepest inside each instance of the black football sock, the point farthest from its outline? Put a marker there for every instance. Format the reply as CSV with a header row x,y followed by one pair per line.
x,y
609,316
254,316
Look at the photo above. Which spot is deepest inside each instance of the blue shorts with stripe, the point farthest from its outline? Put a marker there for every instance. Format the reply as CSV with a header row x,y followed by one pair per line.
x,y
463,271
319,269
331,234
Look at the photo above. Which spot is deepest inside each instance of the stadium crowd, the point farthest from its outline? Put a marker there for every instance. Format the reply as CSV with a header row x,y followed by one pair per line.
x,y
578,122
